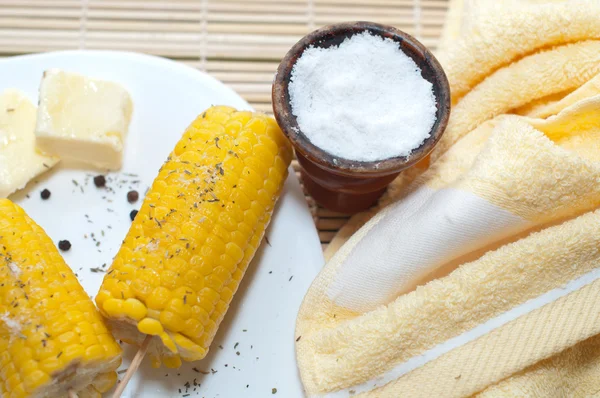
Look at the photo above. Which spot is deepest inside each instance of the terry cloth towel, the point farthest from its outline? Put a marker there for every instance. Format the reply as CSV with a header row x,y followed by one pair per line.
x,y
479,274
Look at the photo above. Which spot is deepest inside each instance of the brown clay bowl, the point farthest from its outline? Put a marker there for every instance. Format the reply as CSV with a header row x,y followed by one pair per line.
x,y
347,185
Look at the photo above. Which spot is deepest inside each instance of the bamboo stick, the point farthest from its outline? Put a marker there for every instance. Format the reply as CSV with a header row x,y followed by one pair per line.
x,y
41,3
179,4
330,224
327,236
42,12
135,363
242,66
325,213
244,77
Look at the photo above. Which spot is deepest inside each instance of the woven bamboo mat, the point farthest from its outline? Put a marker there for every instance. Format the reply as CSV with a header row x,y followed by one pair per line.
x,y
240,42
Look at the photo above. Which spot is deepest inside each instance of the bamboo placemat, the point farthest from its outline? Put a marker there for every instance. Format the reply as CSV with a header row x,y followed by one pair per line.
x,y
240,42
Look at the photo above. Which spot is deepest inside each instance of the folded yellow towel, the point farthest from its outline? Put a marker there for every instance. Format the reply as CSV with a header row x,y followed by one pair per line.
x,y
502,225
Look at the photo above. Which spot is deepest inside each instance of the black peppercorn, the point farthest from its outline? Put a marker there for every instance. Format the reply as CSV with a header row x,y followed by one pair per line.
x,y
99,181
133,196
45,194
64,245
133,214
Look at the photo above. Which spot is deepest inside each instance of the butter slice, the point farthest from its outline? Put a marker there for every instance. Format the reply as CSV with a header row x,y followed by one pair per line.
x,y
83,119
20,161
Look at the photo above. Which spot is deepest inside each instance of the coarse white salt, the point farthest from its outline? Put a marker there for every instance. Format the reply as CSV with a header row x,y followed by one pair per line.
x,y
12,325
14,269
362,100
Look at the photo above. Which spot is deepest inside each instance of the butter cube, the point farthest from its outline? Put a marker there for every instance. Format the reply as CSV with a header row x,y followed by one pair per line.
x,y
83,119
20,161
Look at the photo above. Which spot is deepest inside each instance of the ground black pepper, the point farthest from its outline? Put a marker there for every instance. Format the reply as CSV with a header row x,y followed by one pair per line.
x,y
64,245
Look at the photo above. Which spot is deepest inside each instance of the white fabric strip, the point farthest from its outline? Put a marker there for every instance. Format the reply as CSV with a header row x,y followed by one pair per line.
x,y
415,237
471,335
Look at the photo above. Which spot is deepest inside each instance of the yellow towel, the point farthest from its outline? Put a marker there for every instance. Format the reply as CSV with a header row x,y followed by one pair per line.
x,y
502,226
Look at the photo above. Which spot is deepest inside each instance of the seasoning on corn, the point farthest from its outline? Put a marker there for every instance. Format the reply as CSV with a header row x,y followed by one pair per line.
x,y
52,338
192,240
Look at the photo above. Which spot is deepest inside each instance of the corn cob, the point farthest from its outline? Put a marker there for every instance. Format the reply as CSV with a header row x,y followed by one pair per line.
x,y
195,234
52,338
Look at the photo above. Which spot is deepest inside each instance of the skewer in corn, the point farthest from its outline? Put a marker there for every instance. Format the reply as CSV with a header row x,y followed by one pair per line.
x,y
195,234
53,341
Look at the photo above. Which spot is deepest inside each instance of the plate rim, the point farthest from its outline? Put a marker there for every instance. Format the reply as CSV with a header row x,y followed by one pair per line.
x,y
192,72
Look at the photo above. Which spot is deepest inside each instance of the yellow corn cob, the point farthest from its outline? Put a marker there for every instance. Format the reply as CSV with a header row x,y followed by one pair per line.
x,y
52,338
199,227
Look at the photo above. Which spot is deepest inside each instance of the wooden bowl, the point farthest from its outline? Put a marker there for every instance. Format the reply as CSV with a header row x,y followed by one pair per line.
x,y
347,185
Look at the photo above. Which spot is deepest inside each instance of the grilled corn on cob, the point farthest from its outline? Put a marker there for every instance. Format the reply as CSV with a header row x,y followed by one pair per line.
x,y
199,227
52,338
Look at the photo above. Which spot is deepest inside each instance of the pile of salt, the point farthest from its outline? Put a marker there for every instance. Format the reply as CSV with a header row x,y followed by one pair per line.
x,y
362,100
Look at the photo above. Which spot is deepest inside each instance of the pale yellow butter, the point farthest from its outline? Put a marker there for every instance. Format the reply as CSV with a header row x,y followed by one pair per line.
x,y
20,161
83,119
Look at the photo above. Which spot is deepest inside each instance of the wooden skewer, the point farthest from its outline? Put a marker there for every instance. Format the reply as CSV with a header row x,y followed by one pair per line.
x,y
137,360
72,394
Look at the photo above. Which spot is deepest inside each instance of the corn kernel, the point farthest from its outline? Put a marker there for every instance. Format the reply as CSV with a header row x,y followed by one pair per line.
x,y
140,288
68,338
154,361
169,279
29,366
214,283
18,392
193,328
189,350
94,353
150,326
172,362
105,381
226,294
114,307
113,351
50,365
168,342
159,298
135,309
13,381
88,339
200,314
89,392
171,321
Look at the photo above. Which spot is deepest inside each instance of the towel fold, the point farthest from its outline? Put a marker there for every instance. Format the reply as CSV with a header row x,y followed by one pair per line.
x,y
494,243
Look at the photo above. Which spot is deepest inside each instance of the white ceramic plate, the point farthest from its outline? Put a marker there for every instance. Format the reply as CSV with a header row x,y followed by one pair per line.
x,y
257,335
